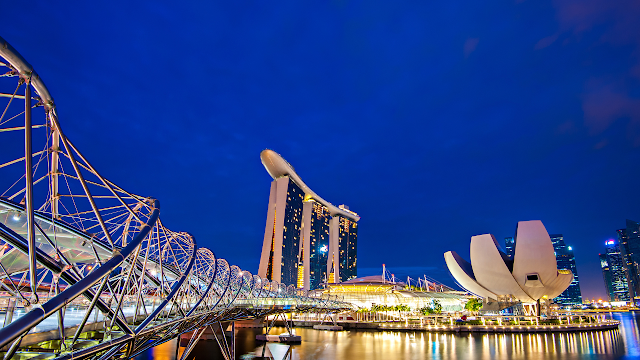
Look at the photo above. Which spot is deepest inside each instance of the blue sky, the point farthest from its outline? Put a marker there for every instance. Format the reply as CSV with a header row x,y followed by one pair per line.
x,y
435,121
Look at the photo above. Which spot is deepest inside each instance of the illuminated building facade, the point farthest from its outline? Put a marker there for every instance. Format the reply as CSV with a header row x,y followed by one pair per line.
x,y
281,250
629,240
347,245
314,242
617,272
367,291
567,261
606,275
510,246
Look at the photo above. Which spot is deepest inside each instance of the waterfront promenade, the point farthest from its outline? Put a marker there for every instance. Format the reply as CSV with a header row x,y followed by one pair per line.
x,y
569,322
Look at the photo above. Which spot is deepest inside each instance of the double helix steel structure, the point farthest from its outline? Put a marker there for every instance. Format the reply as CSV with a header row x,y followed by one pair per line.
x,y
87,267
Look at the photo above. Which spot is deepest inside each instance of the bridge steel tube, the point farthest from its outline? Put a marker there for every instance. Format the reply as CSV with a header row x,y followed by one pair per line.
x,y
213,277
28,165
39,313
47,262
176,286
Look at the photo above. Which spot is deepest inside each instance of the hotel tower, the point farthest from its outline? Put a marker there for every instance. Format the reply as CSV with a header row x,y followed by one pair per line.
x,y
307,240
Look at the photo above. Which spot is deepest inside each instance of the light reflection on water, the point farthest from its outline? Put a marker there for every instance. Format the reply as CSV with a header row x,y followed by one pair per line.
x,y
370,345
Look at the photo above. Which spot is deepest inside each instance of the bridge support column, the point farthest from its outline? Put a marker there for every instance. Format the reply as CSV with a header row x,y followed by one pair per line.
x,y
288,337
10,309
216,332
333,325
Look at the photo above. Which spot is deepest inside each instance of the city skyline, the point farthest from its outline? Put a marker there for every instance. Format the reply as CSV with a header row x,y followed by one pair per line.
x,y
436,122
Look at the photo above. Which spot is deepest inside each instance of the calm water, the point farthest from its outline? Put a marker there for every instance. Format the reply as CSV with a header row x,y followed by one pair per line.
x,y
370,345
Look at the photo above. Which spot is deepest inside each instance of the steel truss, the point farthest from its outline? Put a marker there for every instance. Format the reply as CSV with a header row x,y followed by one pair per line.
x,y
88,268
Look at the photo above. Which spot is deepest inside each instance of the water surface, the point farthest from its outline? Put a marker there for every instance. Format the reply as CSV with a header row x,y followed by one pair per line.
x,y
384,345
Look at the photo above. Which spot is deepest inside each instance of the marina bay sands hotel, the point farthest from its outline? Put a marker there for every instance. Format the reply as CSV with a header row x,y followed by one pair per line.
x,y
307,240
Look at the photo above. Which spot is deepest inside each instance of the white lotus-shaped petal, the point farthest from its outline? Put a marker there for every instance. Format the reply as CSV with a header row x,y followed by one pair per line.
x,y
531,275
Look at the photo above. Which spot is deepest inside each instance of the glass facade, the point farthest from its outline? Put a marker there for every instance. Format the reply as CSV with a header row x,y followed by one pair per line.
x,y
319,245
629,240
617,272
348,246
291,234
606,275
510,246
567,261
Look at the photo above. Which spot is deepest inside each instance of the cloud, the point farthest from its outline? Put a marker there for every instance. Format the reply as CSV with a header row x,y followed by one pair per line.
x,y
470,46
619,17
601,144
544,42
565,128
616,25
582,15
604,104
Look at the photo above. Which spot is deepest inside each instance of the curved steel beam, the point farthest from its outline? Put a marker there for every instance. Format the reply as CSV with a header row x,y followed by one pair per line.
x,y
174,290
48,262
39,313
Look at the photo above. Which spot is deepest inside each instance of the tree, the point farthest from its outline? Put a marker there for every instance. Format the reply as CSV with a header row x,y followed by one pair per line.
x,y
437,307
473,305
426,310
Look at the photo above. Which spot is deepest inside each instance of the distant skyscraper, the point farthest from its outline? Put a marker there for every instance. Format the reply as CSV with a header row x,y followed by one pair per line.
x,y
510,246
606,275
567,261
307,240
629,240
617,272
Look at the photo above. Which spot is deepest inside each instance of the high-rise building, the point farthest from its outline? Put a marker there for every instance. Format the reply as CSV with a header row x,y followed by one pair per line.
x,y
629,240
347,245
510,246
567,261
315,236
280,253
617,272
606,275
313,242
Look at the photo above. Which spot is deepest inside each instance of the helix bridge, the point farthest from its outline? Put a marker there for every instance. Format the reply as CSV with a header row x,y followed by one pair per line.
x,y
87,267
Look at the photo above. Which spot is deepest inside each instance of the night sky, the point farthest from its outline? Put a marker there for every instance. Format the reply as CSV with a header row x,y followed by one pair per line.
x,y
435,121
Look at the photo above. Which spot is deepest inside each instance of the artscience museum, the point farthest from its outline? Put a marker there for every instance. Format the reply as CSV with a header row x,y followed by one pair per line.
x,y
529,278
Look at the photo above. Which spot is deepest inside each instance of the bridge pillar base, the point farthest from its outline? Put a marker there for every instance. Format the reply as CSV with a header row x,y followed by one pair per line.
x,y
255,323
328,327
282,338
